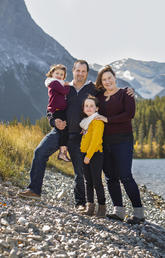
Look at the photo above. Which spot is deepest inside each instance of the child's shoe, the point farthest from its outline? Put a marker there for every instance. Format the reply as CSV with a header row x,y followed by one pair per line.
x,y
63,156
118,213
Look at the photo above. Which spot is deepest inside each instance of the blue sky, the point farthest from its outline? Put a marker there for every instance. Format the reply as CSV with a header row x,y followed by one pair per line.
x,y
103,31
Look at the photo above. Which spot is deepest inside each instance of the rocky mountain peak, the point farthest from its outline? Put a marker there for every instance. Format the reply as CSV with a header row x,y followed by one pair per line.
x,y
13,17
18,28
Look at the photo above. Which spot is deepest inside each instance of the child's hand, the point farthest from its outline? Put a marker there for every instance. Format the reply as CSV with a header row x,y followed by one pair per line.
x,y
83,131
86,160
66,83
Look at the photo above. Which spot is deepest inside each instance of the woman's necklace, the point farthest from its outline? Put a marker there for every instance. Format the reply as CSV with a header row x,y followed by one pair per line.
x,y
109,94
107,97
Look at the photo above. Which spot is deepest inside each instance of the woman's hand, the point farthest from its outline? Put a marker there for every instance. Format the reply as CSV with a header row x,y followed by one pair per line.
x,y
86,160
102,118
60,124
131,92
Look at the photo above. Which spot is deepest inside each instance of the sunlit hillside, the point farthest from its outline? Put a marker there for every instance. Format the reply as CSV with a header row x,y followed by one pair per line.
x,y
17,143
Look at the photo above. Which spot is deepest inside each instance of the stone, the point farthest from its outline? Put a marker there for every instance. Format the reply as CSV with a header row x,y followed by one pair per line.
x,y
4,222
13,253
55,229
22,221
46,228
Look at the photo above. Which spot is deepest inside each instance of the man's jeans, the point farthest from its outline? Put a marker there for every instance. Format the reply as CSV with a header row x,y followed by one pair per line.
x,y
77,160
44,150
48,145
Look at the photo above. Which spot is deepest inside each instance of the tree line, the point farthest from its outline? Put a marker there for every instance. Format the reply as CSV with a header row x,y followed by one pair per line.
x,y
148,128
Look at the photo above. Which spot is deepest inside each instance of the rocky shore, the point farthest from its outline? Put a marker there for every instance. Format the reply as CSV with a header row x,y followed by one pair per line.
x,y
52,228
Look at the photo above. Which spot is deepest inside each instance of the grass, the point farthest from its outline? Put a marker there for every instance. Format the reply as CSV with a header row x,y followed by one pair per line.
x,y
17,144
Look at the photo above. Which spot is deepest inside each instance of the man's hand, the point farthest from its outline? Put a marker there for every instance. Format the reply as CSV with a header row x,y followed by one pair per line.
x,y
60,124
86,160
131,92
66,84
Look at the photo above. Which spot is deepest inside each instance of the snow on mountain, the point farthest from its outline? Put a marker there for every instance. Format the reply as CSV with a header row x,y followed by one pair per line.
x,y
125,75
118,64
147,78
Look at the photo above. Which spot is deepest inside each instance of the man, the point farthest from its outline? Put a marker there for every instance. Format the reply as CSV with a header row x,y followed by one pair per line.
x,y
78,91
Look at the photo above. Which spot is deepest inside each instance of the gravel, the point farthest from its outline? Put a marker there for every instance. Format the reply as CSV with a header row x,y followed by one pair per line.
x,y
52,228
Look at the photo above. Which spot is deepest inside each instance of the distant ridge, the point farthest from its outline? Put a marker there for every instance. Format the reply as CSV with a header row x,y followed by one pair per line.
x,y
146,77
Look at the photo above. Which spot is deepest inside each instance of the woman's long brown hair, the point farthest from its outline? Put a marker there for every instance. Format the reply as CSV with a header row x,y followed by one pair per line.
x,y
103,70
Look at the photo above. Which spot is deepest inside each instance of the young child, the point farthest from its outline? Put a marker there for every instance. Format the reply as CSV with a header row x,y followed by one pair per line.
x,y
57,91
91,147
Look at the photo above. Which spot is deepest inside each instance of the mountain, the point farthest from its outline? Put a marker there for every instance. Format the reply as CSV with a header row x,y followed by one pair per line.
x,y
26,52
147,78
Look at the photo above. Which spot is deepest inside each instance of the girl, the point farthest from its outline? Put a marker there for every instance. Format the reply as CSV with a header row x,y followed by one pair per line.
x,y
91,147
57,91
117,109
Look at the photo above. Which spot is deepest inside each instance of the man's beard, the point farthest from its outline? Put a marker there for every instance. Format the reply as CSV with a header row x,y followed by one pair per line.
x,y
80,79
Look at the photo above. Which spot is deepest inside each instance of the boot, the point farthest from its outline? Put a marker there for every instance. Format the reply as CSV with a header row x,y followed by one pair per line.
x,y
138,216
89,209
63,156
101,211
118,213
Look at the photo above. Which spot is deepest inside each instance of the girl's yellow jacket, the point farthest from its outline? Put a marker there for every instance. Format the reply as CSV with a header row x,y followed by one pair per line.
x,y
92,141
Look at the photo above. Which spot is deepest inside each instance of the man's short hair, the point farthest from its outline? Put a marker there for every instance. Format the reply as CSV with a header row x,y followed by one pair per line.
x,y
82,62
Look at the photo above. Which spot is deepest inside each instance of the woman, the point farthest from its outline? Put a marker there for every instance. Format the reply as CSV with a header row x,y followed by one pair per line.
x,y
117,109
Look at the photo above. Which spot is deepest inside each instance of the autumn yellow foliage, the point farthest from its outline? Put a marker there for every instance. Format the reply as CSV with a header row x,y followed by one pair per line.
x,y
145,151
17,144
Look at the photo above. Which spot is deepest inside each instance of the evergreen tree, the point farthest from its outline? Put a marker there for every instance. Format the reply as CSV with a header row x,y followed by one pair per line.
x,y
159,136
22,120
141,138
14,121
43,124
150,141
28,122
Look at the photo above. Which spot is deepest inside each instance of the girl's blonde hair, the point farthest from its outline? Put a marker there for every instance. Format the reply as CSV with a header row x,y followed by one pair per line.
x,y
56,67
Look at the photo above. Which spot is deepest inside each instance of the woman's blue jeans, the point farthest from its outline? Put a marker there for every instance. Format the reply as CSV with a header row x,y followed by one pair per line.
x,y
117,167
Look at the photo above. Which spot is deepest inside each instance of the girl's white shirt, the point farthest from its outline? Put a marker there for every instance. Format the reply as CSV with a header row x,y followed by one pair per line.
x,y
84,124
50,79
